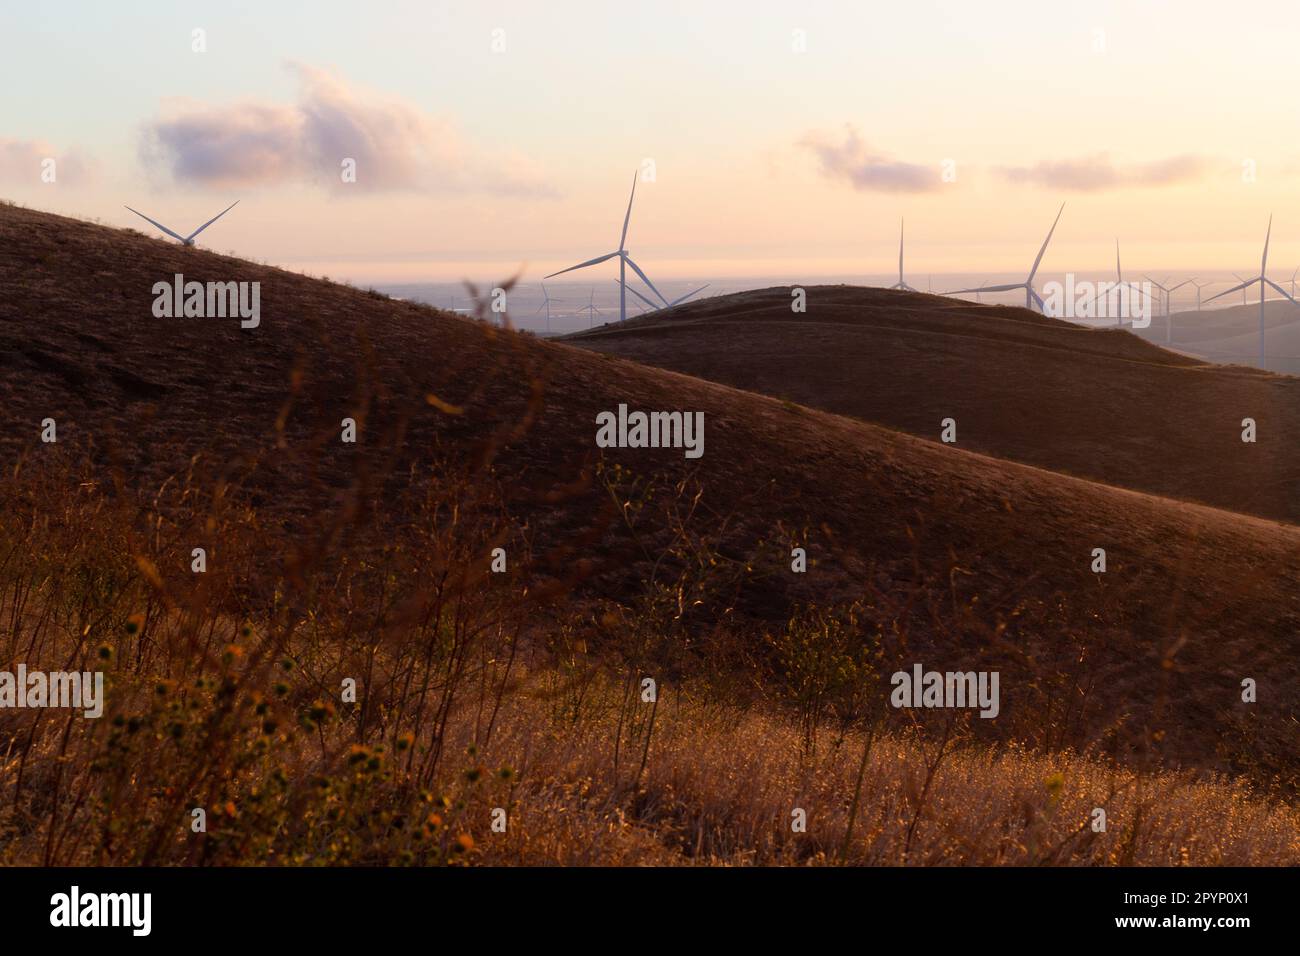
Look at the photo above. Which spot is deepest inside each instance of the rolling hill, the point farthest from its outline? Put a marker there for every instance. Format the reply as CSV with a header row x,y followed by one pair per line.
x,y
1231,336
966,560
1101,404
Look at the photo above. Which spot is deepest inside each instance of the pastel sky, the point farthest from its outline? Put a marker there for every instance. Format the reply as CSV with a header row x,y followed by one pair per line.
x,y
474,161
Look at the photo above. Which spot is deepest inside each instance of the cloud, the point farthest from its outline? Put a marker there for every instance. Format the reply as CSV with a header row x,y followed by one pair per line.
x,y
852,160
395,146
25,161
1096,173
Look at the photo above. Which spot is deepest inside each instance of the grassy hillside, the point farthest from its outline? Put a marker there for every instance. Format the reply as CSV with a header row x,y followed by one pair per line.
x,y
329,560
1101,404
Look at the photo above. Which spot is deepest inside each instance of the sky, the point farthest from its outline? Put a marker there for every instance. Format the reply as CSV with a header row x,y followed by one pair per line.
x,y
767,138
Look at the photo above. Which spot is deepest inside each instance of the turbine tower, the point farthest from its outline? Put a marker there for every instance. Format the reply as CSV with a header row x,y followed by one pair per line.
x,y
1032,298
624,260
901,283
185,240
1263,281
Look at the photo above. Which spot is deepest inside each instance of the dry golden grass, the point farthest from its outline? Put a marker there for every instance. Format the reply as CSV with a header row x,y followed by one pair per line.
x,y
475,696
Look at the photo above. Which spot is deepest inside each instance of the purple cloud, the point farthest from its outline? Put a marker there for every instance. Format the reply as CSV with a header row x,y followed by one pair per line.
x,y
394,145
851,160
1096,173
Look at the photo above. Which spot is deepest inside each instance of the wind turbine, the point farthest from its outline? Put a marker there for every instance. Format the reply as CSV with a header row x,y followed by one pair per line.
x,y
1199,287
1263,281
590,309
1293,275
1243,291
1032,298
1167,291
901,283
1119,285
1169,310
624,260
546,304
186,240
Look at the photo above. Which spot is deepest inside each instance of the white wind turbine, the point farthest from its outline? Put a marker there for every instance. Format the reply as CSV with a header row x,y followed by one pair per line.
x,y
546,304
1169,310
590,309
1293,275
624,260
1199,287
901,283
1263,281
185,240
1243,291
1032,298
1119,285
1167,291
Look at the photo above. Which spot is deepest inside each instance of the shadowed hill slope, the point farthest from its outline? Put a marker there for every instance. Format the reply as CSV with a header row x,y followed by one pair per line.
x,y
1231,335
966,561
1102,404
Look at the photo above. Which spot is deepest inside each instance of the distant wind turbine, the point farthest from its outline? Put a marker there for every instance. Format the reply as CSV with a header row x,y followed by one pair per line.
x,y
590,309
1119,284
1243,291
1263,281
1167,291
1199,287
624,260
546,304
1032,298
1169,310
901,283
185,240
1293,275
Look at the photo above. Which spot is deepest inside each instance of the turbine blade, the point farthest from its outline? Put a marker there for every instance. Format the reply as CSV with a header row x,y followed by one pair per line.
x,y
622,242
644,278
1045,242
1280,289
681,299
636,292
156,223
988,288
583,265
211,221
1154,282
1263,263
1235,288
